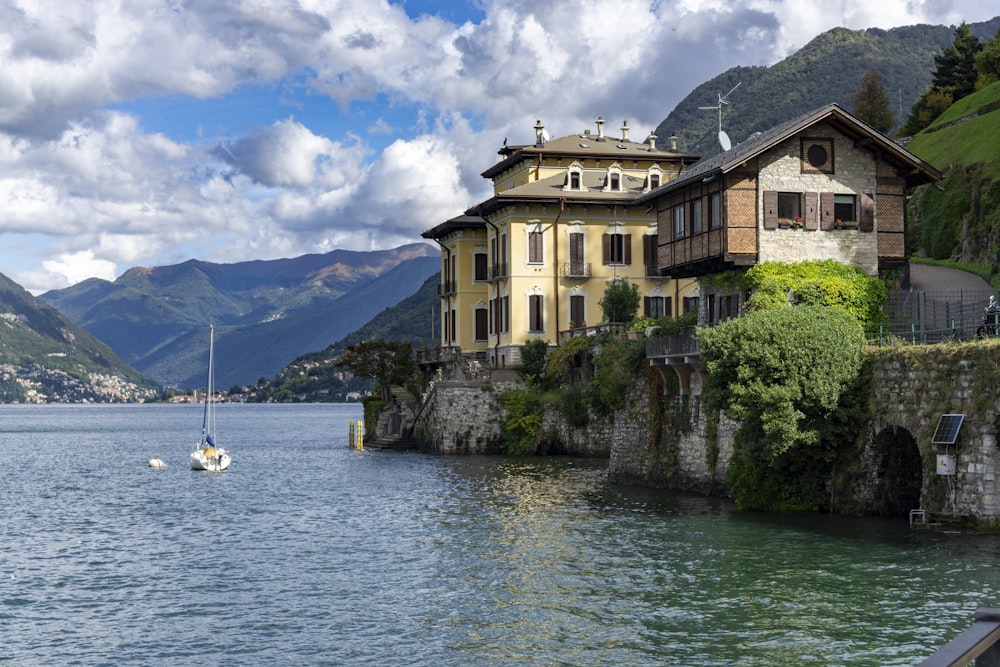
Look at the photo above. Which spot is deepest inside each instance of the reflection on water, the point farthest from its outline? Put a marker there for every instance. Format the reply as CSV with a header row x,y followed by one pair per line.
x,y
306,552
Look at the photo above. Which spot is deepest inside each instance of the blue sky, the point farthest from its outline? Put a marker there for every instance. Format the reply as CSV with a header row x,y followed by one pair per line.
x,y
149,132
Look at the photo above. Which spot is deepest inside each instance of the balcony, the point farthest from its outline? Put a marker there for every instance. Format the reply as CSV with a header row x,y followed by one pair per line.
x,y
681,347
575,270
499,271
447,287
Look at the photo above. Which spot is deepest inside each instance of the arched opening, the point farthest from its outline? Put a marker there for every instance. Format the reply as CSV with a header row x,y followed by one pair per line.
x,y
900,472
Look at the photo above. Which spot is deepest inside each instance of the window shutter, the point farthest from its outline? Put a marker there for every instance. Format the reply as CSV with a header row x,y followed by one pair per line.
x,y
770,209
826,217
627,244
481,323
606,249
810,215
867,221
668,306
576,253
646,304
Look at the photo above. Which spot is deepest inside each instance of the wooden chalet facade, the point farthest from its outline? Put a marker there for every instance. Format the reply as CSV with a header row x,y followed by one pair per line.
x,y
822,186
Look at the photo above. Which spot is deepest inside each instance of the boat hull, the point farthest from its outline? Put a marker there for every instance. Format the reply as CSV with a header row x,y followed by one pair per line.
x,y
213,459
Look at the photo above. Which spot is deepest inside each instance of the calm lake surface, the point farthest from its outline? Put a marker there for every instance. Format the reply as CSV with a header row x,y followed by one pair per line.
x,y
308,553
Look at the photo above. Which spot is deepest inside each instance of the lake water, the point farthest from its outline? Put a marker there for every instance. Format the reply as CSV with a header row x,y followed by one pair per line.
x,y
307,553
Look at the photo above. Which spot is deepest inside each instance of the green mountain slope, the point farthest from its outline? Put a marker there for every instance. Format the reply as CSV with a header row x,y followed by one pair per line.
x,y
315,377
44,357
827,69
959,218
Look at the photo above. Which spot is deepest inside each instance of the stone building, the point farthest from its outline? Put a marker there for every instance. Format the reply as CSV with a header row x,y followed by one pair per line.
x,y
822,186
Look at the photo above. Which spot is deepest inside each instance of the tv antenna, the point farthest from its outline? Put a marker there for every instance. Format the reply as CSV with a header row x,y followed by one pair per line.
x,y
723,100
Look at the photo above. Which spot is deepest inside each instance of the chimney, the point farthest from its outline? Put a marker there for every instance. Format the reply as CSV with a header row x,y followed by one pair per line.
x,y
652,141
539,132
600,129
625,131
673,143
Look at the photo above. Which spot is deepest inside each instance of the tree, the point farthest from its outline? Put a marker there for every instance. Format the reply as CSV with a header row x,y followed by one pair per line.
x,y
621,301
385,362
763,371
956,64
871,102
988,60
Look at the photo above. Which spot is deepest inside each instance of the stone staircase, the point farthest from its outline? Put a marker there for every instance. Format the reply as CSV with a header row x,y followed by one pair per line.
x,y
395,428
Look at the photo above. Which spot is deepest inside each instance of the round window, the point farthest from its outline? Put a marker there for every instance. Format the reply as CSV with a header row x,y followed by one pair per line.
x,y
816,155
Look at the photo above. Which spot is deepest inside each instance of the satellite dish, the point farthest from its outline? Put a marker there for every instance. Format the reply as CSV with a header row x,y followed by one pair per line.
x,y
545,135
724,141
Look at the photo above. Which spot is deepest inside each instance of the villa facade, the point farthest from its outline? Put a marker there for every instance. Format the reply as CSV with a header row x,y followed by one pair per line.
x,y
535,259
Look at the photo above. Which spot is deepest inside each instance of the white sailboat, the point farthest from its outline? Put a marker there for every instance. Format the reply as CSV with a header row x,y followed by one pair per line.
x,y
208,456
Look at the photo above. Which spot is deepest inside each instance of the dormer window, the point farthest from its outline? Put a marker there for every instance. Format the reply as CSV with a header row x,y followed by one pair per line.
x,y
614,179
574,178
654,177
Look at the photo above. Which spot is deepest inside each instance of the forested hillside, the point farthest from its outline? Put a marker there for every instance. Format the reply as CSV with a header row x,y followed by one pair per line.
x,y
316,376
827,69
959,218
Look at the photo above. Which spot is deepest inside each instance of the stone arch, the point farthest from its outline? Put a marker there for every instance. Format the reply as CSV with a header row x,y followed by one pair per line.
x,y
899,472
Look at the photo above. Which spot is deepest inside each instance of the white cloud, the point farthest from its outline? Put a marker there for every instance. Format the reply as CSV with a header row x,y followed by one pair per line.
x,y
88,190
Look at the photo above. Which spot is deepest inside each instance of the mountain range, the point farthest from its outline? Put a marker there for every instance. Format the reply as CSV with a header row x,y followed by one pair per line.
x,y
265,313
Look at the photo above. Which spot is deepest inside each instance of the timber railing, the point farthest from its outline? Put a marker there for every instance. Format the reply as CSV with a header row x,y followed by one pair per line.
x,y
978,643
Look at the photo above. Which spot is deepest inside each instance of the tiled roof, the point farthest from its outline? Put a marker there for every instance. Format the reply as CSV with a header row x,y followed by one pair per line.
x,y
762,141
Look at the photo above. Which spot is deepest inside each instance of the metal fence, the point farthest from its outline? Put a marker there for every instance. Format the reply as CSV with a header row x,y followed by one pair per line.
x,y
934,316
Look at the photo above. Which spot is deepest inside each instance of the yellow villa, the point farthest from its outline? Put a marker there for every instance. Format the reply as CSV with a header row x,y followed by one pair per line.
x,y
534,259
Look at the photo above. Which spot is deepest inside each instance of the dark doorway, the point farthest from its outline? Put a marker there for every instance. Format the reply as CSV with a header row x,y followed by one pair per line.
x,y
900,472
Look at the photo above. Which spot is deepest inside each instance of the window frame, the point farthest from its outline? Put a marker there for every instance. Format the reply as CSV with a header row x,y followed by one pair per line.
x,y
677,216
845,208
536,313
536,247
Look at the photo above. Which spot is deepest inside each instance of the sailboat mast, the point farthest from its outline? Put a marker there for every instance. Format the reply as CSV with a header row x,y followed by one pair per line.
x,y
208,386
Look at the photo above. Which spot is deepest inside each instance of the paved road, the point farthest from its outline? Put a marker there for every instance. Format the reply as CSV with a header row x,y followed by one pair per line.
x,y
926,277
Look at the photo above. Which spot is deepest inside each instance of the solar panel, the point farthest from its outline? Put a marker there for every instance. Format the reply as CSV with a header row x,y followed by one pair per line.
x,y
947,429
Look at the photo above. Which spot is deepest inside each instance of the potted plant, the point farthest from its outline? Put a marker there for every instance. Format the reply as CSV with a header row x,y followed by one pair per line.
x,y
797,222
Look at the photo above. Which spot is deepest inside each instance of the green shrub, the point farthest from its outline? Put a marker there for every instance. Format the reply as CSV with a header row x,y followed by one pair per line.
x,y
573,402
533,355
762,372
524,420
621,301
615,368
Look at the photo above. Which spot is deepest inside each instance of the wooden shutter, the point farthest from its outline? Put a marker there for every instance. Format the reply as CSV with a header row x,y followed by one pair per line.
x,y
770,209
627,247
810,215
535,247
576,254
576,309
866,222
606,249
826,216
481,323
646,305
535,312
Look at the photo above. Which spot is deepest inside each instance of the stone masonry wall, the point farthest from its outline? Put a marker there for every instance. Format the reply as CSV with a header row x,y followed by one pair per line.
x,y
781,170
666,440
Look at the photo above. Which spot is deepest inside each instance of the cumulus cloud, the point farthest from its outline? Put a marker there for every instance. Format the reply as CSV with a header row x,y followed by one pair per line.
x,y
287,154
418,108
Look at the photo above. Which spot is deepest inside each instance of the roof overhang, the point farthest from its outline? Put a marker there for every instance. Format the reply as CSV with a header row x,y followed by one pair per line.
x,y
456,224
